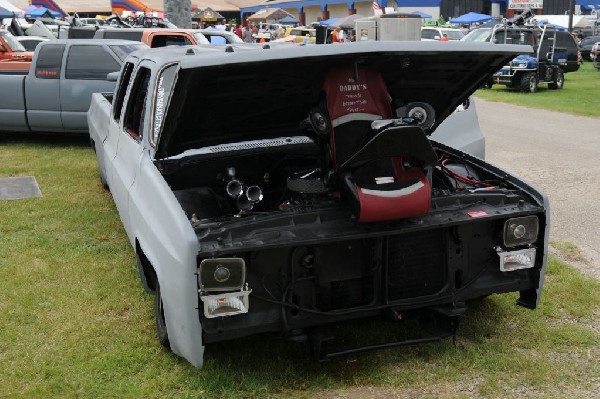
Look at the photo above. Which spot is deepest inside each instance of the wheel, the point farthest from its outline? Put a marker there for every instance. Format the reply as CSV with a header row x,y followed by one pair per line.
x,y
529,83
103,179
159,315
488,84
558,80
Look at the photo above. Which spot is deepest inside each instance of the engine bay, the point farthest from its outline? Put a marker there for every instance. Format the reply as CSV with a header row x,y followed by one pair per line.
x,y
277,175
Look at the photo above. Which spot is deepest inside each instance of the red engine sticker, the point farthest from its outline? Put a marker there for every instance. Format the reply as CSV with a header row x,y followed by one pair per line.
x,y
477,214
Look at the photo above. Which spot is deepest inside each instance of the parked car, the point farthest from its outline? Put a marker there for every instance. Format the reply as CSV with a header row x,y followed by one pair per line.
x,y
437,33
298,35
324,201
31,42
585,46
55,94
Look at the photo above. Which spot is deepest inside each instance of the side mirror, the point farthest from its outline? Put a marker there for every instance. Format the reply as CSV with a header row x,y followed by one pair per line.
x,y
436,37
113,76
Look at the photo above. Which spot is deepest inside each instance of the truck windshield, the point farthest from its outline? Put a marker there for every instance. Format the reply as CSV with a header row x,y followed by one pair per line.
x,y
122,51
513,36
478,35
13,43
453,34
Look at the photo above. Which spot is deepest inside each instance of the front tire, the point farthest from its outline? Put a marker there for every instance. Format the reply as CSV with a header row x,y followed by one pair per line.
x,y
529,83
488,84
159,315
558,80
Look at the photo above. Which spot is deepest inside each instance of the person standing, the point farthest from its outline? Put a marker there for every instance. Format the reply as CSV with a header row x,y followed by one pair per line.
x,y
247,35
335,35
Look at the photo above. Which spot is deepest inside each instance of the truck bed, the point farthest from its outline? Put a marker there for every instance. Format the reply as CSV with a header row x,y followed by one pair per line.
x,y
12,104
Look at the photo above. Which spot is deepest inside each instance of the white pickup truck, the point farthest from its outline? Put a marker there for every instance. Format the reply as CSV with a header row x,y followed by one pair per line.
x,y
284,189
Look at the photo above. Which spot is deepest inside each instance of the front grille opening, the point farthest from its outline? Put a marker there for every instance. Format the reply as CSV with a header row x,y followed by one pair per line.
x,y
415,264
346,294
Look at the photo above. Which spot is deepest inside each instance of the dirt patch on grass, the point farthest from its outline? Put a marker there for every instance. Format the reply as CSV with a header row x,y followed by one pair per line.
x,y
578,257
463,389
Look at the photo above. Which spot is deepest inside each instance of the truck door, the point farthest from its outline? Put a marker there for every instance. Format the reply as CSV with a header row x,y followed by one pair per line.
x,y
129,147
86,69
110,139
42,90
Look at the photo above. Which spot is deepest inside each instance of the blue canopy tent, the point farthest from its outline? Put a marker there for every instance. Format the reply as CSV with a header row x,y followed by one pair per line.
x,y
470,18
288,20
421,14
40,12
329,21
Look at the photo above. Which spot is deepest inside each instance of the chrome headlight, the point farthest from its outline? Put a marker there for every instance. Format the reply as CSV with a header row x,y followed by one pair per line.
x,y
222,274
519,65
520,231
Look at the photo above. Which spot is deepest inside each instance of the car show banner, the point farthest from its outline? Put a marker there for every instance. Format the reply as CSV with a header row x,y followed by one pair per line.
x,y
525,4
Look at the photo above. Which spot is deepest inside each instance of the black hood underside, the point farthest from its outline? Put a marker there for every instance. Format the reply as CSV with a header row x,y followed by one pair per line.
x,y
263,97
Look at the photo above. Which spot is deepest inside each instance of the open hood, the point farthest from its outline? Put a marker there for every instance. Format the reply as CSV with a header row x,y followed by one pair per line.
x,y
234,94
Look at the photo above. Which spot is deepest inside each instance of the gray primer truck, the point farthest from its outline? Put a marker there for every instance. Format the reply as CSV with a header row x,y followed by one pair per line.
x,y
56,93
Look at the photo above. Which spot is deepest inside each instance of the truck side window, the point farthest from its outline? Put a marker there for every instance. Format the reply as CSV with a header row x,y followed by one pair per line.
x,y
122,89
49,61
136,106
427,34
90,63
164,86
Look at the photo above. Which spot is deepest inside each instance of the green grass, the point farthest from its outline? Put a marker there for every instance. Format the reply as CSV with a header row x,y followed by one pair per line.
x,y
569,251
75,322
579,95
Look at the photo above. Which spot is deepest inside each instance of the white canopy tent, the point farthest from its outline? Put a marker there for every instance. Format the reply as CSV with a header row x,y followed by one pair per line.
x,y
9,6
579,21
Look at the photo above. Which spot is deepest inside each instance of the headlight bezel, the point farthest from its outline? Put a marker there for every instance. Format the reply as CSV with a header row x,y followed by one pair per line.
x,y
207,274
520,231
